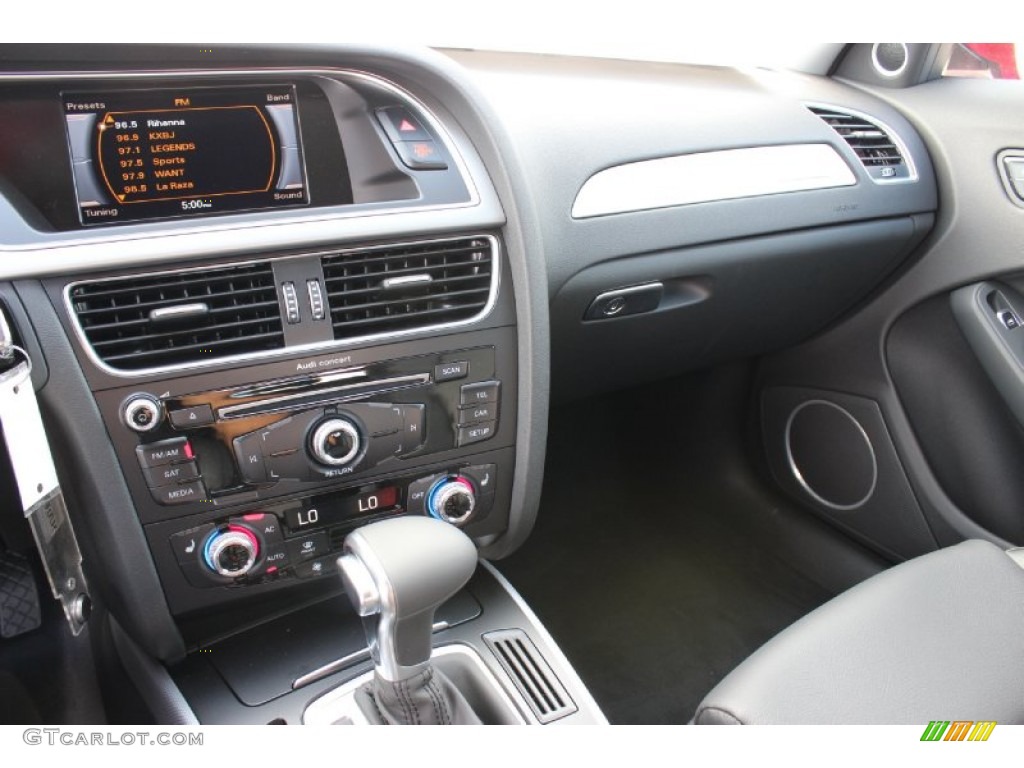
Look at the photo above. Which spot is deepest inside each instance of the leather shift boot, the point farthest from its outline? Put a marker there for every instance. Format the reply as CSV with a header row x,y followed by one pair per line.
x,y
429,698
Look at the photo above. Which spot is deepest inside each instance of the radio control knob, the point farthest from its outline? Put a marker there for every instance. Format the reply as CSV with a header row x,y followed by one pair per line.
x,y
231,552
336,442
452,500
142,413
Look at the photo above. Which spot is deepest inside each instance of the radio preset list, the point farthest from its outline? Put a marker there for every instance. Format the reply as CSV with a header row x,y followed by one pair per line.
x,y
164,153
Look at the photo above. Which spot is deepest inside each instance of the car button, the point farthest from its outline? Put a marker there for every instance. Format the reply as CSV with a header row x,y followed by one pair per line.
x,y
477,413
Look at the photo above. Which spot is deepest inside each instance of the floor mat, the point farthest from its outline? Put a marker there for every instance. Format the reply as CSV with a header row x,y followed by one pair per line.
x,y
643,568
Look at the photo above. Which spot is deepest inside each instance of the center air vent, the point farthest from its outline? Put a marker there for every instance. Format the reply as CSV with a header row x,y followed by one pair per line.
x,y
156,321
878,149
408,287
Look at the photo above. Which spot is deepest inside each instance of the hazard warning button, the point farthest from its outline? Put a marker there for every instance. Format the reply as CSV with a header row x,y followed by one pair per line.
x,y
401,125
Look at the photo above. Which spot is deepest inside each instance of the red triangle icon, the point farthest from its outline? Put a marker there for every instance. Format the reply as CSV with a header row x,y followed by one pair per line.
x,y
406,127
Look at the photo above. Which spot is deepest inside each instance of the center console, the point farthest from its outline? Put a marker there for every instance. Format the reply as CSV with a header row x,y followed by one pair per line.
x,y
269,306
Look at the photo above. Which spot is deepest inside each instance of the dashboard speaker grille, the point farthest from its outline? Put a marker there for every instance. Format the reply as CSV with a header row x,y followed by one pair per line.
x,y
531,675
155,321
877,150
407,287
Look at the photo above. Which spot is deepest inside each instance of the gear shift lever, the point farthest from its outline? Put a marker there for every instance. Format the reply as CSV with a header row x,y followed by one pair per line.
x,y
397,572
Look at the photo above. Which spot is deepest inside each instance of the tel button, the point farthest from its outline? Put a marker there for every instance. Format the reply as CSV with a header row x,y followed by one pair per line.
x,y
475,394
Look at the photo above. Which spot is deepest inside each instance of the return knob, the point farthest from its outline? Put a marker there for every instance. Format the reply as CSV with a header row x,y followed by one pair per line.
x,y
452,500
336,442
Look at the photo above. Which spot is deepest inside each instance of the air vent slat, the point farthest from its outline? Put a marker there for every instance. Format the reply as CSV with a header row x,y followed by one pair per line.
x,y
877,151
242,316
355,293
458,278
531,674
98,327
443,298
173,336
143,305
229,346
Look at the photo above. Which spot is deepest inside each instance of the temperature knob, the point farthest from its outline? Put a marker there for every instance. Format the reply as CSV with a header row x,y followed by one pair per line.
x,y
232,551
336,442
452,499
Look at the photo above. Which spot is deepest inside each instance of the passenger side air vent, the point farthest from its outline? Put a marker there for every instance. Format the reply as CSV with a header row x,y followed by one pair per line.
x,y
877,148
156,321
531,675
408,287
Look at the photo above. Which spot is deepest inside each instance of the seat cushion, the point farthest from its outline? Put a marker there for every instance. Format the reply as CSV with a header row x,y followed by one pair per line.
x,y
938,637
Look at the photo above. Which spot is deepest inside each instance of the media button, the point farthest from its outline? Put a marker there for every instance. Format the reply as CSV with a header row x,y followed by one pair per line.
x,y
179,494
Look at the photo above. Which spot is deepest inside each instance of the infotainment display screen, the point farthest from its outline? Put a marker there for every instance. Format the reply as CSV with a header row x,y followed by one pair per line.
x,y
158,154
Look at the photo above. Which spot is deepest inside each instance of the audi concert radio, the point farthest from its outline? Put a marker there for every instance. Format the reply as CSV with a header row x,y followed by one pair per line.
x,y
310,457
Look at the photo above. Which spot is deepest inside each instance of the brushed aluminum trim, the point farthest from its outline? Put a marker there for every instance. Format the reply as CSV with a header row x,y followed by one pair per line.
x,y
798,476
705,177
286,351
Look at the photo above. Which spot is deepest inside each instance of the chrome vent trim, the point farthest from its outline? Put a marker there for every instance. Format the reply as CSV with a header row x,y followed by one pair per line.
x,y
170,319
410,287
530,674
880,150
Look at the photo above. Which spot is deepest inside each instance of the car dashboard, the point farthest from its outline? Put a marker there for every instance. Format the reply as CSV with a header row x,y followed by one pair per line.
x,y
276,293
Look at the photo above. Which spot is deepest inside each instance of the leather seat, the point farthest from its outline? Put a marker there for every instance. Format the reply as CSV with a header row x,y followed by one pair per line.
x,y
938,637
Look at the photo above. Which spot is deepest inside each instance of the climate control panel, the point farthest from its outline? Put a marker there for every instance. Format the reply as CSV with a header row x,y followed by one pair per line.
x,y
302,539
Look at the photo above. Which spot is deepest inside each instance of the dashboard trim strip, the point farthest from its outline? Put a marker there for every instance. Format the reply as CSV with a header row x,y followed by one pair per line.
x,y
705,177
